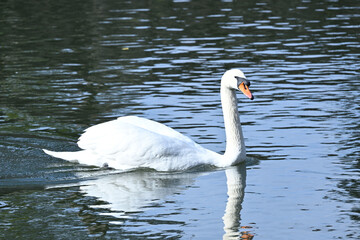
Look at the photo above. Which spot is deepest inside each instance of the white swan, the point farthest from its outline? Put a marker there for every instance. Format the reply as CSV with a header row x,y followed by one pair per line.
x,y
132,142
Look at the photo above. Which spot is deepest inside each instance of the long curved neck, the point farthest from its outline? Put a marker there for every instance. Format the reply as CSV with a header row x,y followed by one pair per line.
x,y
235,147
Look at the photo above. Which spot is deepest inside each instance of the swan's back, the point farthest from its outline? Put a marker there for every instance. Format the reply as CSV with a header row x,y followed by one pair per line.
x,y
128,132
126,124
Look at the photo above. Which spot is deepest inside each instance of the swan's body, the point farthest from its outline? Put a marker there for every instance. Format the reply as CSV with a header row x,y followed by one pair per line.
x,y
133,142
130,142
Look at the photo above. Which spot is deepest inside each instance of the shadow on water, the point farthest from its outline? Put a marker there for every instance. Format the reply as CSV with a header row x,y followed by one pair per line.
x,y
132,203
139,196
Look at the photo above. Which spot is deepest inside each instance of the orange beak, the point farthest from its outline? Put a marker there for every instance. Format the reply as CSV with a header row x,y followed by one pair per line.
x,y
245,90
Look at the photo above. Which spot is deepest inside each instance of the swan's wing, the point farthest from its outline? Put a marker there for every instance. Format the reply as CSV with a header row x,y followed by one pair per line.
x,y
154,127
134,141
127,130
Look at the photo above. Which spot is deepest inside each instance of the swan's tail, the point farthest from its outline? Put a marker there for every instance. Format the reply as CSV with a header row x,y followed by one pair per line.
x,y
83,157
69,156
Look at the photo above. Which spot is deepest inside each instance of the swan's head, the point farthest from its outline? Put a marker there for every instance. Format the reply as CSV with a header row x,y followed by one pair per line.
x,y
235,79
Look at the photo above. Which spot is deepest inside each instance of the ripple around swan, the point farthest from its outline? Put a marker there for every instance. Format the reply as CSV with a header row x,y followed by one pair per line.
x,y
92,62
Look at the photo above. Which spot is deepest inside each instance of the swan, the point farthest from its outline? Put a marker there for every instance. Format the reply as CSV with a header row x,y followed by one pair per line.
x,y
131,142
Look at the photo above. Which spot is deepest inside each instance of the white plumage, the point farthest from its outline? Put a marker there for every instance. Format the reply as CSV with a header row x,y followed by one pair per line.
x,y
133,142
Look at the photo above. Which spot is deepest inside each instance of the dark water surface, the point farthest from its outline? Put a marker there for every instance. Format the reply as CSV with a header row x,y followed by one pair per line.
x,y
67,65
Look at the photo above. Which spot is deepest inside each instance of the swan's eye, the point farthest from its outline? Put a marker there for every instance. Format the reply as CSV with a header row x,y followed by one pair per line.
x,y
247,82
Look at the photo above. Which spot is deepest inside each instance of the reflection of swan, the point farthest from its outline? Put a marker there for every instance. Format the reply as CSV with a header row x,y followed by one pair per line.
x,y
125,195
236,178
130,192
131,142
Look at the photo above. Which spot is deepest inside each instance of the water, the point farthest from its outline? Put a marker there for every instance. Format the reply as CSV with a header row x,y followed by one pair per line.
x,y
67,65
